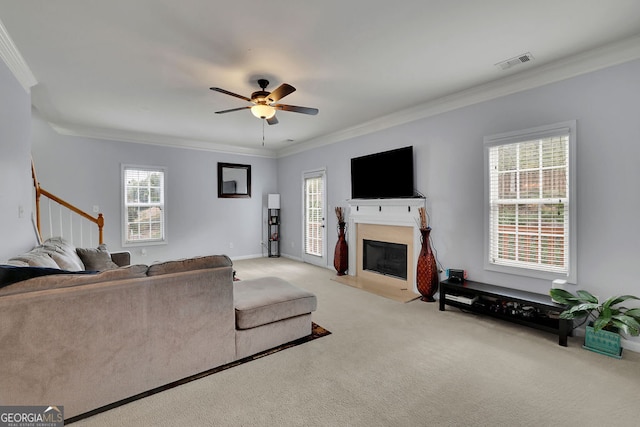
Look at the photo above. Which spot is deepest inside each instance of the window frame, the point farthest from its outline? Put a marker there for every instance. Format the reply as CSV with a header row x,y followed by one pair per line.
x,y
531,134
124,209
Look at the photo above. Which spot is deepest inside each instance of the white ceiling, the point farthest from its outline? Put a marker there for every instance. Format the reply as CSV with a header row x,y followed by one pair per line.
x,y
140,70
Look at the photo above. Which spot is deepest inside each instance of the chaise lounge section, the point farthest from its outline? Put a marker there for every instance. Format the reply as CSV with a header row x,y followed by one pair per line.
x,y
270,311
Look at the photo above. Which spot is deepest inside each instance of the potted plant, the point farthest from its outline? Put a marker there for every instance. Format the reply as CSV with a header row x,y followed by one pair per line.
x,y
606,319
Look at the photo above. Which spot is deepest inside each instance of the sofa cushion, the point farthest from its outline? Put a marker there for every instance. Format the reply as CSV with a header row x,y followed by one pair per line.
x,y
10,274
96,259
196,263
269,299
68,279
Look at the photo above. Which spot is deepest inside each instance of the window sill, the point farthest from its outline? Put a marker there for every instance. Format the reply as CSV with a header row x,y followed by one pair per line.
x,y
144,243
527,272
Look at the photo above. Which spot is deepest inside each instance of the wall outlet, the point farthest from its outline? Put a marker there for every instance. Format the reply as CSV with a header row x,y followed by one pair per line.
x,y
96,209
230,245
20,211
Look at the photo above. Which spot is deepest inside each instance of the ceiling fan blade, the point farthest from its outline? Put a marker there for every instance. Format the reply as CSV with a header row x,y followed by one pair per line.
x,y
272,121
233,109
296,109
226,92
280,92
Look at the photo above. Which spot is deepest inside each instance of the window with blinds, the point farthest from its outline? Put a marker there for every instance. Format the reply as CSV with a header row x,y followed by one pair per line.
x,y
530,201
144,209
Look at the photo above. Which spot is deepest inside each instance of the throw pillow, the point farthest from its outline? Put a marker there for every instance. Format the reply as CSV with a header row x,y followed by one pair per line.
x,y
96,259
65,253
36,258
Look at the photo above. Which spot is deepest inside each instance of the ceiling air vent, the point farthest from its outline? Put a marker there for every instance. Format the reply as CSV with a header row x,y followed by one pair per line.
x,y
520,59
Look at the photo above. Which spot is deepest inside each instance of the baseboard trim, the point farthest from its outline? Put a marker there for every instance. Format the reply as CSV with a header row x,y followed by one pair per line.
x,y
291,257
236,258
631,345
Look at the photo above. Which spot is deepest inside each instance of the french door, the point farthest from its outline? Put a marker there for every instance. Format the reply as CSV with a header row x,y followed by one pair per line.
x,y
315,232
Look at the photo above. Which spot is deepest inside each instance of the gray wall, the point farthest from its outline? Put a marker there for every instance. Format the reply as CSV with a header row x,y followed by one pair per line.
x,y
86,172
448,151
16,231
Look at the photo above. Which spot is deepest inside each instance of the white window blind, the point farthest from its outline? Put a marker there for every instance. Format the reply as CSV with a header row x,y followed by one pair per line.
x,y
314,195
530,201
144,209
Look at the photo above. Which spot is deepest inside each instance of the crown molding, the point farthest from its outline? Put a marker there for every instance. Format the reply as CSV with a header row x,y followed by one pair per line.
x,y
156,139
14,60
586,62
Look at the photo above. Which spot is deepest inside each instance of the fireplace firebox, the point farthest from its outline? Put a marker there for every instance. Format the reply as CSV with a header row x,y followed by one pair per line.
x,y
389,259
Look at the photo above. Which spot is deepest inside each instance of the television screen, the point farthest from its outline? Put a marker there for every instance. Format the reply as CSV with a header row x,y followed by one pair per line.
x,y
388,174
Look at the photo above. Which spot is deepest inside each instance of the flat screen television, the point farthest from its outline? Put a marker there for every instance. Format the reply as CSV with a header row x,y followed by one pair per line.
x,y
384,175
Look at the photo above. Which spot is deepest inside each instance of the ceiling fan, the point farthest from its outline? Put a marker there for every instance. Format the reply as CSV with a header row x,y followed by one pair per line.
x,y
265,103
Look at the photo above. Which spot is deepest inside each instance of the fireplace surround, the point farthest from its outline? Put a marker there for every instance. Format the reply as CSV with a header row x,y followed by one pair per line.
x,y
385,220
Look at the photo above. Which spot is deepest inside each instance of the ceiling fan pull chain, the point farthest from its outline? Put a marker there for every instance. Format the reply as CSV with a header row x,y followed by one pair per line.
x,y
263,132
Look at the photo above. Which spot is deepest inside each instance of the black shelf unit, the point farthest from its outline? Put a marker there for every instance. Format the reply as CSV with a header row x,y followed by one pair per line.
x,y
273,238
524,308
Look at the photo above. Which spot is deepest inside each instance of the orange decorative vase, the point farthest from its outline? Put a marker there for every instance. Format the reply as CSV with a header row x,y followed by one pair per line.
x,y
341,254
427,278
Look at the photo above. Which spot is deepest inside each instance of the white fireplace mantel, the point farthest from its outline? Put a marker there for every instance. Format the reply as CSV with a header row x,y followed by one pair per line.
x,y
394,212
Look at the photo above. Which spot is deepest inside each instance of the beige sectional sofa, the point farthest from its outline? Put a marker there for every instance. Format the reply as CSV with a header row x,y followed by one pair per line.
x,y
84,341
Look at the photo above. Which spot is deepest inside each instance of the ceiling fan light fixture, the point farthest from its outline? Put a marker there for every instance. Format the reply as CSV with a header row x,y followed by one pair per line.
x,y
263,111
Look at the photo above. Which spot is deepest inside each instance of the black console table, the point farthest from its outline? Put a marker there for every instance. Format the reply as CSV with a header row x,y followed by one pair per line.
x,y
522,307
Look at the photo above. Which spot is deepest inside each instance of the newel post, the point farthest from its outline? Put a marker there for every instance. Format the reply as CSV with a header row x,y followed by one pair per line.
x,y
100,223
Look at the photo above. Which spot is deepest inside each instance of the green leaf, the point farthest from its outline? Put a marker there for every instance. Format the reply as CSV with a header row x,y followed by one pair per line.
x,y
634,312
577,311
585,307
601,323
629,324
564,297
587,297
618,299
567,314
614,311
623,327
620,326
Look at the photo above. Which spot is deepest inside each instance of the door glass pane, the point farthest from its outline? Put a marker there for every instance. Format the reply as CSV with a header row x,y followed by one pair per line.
x,y
314,195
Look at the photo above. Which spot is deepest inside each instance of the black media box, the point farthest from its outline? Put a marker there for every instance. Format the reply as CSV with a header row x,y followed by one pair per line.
x,y
456,275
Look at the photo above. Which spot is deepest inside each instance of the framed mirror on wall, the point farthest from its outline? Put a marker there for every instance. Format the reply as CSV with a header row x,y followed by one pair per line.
x,y
234,180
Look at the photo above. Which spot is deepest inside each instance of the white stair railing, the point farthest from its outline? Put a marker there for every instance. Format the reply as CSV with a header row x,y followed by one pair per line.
x,y
59,221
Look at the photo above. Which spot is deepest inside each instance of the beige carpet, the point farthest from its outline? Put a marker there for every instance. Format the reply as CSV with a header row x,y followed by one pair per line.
x,y
392,364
